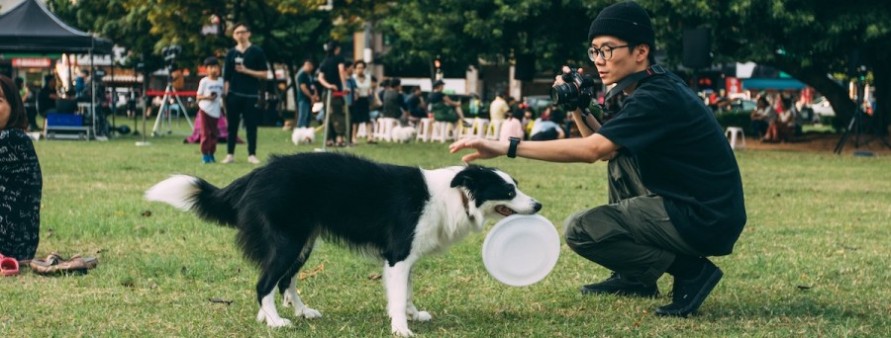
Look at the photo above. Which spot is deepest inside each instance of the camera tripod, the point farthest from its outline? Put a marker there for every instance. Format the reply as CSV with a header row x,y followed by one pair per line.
x,y
859,122
169,92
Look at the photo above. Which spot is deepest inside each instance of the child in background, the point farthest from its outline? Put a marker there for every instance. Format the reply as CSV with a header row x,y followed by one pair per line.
x,y
210,106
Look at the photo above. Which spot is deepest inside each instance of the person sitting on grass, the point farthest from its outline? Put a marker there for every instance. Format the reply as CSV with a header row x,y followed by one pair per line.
x,y
21,181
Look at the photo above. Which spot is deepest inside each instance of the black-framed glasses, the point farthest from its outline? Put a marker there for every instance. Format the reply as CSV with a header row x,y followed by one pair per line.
x,y
605,52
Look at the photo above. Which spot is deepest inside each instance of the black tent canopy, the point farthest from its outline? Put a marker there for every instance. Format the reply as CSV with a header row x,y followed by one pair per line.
x,y
31,28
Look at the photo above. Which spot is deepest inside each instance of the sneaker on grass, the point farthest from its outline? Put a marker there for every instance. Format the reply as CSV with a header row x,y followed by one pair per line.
x,y
688,294
616,285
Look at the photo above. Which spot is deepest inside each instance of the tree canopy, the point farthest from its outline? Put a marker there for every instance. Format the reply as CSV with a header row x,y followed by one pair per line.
x,y
809,39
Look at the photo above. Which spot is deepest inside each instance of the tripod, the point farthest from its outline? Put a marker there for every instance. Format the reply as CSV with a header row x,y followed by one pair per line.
x,y
169,92
856,125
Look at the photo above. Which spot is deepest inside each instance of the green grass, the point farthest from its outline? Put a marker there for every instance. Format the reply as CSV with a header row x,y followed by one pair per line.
x,y
812,261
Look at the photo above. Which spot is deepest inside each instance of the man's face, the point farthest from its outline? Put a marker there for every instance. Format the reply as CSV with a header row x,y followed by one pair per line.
x,y
241,34
307,67
617,61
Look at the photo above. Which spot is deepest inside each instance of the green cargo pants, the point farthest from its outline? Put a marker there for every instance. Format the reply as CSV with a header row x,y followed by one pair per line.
x,y
632,235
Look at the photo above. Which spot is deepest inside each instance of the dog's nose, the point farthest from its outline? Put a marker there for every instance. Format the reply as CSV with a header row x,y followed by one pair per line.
x,y
536,206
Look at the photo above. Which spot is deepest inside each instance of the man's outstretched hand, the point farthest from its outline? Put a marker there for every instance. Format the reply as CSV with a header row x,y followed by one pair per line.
x,y
484,148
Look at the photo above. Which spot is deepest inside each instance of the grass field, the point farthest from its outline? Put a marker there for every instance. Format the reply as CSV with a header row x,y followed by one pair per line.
x,y
813,260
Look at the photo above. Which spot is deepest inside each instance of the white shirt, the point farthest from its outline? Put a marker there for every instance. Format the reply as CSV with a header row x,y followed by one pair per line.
x,y
212,107
363,88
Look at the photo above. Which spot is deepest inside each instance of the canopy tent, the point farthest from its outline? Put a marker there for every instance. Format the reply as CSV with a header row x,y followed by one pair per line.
x,y
31,28
775,83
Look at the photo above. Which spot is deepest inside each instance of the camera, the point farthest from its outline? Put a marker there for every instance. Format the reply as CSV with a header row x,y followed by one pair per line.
x,y
170,53
576,91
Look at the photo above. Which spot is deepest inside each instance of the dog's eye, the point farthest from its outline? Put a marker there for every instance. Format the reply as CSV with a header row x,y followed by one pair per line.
x,y
511,194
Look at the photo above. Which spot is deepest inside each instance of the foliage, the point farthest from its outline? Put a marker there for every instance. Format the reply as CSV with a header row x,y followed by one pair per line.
x,y
807,39
463,32
812,261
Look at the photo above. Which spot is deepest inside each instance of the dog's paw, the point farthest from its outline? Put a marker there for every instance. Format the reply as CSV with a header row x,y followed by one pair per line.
x,y
280,322
307,313
421,316
402,332
271,322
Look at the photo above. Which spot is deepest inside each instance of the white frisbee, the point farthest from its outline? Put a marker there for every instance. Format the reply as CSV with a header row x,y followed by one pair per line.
x,y
521,249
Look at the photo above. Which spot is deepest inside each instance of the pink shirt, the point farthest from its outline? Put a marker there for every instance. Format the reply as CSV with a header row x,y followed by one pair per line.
x,y
511,128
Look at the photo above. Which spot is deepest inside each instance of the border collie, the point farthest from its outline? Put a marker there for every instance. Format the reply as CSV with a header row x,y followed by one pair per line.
x,y
395,212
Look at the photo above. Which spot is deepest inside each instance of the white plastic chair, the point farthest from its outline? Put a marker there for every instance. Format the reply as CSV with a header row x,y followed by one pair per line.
x,y
736,137
425,130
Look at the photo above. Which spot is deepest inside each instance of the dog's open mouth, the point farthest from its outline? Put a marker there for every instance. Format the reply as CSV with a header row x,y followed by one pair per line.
x,y
504,211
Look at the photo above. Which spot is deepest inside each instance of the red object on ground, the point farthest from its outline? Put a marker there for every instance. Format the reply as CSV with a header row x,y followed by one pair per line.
x,y
8,266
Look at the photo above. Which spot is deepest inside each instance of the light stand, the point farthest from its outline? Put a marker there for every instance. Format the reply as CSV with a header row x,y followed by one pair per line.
x,y
145,109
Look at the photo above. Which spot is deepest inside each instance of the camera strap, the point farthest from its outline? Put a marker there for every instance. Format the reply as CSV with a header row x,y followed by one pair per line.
x,y
634,78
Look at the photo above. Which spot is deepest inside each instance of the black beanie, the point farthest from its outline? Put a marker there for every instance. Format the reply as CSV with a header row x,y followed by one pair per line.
x,y
625,20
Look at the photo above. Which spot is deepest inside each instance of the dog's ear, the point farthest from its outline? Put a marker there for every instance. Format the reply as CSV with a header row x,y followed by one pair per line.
x,y
468,176
462,179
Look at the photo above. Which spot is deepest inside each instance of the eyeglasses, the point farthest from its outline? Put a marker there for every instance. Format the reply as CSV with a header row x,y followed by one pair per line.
x,y
605,52
241,32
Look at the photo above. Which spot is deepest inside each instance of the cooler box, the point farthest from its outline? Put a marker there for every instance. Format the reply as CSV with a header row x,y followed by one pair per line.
x,y
64,120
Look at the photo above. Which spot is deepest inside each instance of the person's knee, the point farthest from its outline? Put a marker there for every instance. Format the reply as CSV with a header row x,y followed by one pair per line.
x,y
574,232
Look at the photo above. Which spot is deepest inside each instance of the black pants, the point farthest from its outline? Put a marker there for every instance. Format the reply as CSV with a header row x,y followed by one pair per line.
x,y
240,108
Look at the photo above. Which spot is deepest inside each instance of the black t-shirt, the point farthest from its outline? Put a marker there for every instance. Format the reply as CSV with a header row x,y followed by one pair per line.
x,y
330,71
685,158
242,84
413,102
436,97
44,99
304,79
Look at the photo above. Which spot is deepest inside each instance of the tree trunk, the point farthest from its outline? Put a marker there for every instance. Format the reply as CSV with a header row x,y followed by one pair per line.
x,y
882,75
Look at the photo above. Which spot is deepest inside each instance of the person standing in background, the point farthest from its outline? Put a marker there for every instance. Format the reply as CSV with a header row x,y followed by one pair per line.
x,y
306,93
210,92
332,76
245,66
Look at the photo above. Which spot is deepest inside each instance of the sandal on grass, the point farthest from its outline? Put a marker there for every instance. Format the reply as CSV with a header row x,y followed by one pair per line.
x,y
56,264
8,266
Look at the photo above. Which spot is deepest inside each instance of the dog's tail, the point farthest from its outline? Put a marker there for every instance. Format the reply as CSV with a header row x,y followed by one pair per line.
x,y
190,193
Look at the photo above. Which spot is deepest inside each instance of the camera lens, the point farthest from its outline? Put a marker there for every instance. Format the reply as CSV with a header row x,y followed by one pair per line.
x,y
564,93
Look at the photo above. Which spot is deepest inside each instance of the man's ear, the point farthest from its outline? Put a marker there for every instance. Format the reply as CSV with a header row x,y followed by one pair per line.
x,y
641,52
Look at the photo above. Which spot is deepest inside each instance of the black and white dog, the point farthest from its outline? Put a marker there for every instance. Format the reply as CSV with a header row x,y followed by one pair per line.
x,y
395,212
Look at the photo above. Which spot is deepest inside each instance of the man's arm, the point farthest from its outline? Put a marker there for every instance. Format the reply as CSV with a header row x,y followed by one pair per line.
x,y
586,149
260,74
305,89
581,120
325,83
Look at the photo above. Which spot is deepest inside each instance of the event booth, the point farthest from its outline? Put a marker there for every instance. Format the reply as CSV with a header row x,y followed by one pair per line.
x,y
31,28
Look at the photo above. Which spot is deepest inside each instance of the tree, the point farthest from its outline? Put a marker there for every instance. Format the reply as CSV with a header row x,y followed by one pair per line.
x,y
809,39
462,32
124,22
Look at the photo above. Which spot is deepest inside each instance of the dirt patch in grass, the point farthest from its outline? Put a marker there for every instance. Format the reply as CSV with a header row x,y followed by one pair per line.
x,y
825,143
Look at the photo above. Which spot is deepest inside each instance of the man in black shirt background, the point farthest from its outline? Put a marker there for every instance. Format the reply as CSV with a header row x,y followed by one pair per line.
x,y
245,67
332,76
676,194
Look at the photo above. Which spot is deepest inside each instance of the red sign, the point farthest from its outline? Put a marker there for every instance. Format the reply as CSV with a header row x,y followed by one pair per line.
x,y
32,62
732,85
